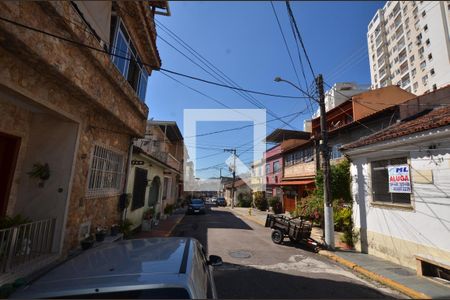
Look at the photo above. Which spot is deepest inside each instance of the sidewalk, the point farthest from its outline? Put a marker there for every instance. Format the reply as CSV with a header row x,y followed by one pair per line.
x,y
395,276
398,277
164,228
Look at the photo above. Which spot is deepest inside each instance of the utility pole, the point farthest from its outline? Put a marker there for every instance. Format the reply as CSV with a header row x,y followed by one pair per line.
x,y
325,158
234,174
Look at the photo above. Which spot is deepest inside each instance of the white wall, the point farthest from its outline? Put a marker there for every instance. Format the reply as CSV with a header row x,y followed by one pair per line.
x,y
52,140
135,216
427,223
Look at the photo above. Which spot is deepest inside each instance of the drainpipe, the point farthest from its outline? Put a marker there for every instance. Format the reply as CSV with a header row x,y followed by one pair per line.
x,y
127,174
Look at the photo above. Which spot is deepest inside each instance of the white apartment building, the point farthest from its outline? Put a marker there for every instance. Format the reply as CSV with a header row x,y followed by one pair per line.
x,y
409,45
338,94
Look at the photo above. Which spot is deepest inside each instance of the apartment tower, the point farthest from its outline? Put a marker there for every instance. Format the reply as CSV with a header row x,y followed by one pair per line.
x,y
409,45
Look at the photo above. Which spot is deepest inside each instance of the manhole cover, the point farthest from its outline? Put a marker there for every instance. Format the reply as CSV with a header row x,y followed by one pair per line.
x,y
240,254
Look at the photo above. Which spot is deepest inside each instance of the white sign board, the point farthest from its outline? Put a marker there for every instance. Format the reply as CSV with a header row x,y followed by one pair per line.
x,y
399,179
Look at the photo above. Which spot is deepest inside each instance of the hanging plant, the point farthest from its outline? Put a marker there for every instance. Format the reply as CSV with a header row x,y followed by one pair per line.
x,y
41,172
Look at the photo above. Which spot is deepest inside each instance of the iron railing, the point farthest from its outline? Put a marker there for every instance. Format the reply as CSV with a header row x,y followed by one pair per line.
x,y
25,243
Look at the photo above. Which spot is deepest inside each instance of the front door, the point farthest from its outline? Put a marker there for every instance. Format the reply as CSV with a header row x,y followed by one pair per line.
x,y
9,149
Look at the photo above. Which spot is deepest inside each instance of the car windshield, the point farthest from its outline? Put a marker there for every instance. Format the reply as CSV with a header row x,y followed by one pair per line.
x,y
197,201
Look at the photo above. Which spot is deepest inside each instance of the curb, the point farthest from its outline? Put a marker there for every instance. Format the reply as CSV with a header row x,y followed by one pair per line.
x,y
173,227
374,276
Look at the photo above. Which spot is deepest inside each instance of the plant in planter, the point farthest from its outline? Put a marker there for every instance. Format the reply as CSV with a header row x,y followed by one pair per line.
x,y
41,172
168,209
87,242
115,229
147,219
125,227
100,234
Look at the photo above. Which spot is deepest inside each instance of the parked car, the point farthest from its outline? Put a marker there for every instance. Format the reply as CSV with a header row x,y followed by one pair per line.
x,y
197,206
221,202
142,268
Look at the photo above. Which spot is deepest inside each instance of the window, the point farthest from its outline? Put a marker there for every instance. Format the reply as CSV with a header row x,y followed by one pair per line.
x,y
423,64
411,59
425,80
276,166
415,86
413,72
105,172
424,13
139,188
335,153
434,87
425,28
427,42
432,71
166,188
430,56
380,182
127,61
267,168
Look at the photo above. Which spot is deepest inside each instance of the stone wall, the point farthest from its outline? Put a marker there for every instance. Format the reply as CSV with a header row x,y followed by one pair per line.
x,y
71,82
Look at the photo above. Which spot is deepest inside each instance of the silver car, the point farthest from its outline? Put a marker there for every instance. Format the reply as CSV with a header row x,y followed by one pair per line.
x,y
163,268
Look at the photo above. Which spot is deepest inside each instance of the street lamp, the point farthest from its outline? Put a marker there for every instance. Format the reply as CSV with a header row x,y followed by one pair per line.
x,y
328,206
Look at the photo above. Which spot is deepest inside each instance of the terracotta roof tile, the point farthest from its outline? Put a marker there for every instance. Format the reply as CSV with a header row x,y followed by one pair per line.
x,y
436,118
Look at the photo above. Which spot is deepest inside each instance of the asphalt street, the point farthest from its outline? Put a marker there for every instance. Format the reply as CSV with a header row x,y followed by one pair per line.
x,y
255,267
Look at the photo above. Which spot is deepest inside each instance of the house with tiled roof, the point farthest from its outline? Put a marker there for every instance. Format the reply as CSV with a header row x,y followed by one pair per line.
x,y
401,187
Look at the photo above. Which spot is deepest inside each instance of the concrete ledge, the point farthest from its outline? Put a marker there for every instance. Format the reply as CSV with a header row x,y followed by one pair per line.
x,y
374,276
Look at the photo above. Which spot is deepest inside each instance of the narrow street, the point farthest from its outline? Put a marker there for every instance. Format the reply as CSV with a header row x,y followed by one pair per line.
x,y
254,267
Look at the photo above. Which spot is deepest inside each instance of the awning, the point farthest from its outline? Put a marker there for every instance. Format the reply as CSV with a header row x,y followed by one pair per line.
x,y
296,182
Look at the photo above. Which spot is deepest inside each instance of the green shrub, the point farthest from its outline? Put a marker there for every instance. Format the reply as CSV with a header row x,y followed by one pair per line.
x,y
275,203
244,200
261,201
125,227
8,222
168,209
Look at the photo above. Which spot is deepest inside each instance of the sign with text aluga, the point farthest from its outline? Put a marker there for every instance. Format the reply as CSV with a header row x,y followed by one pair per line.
x,y
399,179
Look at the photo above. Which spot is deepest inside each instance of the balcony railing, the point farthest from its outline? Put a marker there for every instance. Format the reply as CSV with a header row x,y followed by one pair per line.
x,y
24,243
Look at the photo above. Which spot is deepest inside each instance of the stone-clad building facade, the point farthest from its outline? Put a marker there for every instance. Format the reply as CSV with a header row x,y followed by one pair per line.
x,y
71,107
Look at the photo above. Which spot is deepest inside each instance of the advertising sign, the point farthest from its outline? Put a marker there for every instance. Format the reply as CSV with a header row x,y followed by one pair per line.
x,y
399,179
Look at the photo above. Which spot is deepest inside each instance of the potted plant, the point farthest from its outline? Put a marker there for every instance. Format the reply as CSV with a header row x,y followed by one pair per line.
x,y
100,234
115,229
41,172
87,242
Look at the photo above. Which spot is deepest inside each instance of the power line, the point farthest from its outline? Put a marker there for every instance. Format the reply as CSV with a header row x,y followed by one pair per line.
x,y
156,68
296,114
216,75
291,14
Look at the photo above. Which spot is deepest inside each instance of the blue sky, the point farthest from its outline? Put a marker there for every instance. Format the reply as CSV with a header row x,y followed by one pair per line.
x,y
243,40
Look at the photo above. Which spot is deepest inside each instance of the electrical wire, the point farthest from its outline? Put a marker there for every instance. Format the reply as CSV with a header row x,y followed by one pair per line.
x,y
156,68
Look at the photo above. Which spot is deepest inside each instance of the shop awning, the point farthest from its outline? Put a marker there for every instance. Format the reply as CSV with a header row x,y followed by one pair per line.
x,y
296,182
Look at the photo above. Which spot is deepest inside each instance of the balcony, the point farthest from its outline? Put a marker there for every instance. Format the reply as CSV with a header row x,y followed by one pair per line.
x,y
23,246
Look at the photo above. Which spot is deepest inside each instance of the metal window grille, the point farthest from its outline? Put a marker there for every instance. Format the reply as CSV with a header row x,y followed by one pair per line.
x,y
380,182
106,172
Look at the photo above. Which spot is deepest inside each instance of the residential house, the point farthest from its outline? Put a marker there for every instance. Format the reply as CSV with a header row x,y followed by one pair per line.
x,y
68,114
400,187
299,172
358,117
240,187
288,181
155,179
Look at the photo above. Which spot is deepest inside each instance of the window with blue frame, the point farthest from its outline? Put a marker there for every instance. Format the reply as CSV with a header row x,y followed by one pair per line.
x,y
127,60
